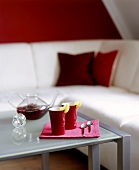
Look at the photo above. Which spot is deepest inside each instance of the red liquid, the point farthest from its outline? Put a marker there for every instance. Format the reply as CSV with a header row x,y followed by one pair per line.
x,y
32,111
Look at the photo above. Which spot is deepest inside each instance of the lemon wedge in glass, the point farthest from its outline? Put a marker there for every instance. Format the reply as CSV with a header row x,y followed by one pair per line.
x,y
65,108
78,104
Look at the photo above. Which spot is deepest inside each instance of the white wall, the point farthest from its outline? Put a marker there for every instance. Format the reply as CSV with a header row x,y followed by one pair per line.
x,y
125,14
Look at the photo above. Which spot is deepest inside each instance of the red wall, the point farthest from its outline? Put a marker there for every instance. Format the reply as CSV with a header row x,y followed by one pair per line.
x,y
48,20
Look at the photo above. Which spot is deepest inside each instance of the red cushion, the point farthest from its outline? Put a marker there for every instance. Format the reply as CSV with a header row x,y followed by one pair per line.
x,y
102,68
75,69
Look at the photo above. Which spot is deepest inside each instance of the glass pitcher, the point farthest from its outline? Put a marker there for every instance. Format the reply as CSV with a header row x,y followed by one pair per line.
x,y
32,106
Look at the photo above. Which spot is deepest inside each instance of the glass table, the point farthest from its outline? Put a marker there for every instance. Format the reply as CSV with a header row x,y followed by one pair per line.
x,y
21,142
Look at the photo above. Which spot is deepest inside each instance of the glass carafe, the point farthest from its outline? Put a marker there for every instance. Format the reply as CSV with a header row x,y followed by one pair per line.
x,y
32,106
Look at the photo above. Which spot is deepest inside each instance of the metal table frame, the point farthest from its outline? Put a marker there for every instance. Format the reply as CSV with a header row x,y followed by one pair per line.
x,y
123,149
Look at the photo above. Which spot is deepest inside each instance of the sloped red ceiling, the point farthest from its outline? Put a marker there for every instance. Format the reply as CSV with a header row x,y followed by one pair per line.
x,y
48,20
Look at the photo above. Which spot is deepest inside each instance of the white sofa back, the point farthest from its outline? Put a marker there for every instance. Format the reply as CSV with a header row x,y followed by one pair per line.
x,y
31,65
127,66
127,69
16,67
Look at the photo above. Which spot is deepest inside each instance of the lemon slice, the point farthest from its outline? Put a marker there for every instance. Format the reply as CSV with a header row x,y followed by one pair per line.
x,y
61,108
65,108
78,104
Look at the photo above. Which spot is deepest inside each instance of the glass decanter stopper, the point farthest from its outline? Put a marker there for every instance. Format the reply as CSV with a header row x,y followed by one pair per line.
x,y
19,120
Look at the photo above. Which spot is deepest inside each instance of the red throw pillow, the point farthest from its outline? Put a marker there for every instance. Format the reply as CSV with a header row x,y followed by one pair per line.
x,y
102,68
75,69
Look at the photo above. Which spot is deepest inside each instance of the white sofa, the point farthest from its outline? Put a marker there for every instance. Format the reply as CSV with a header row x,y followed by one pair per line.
x,y
34,68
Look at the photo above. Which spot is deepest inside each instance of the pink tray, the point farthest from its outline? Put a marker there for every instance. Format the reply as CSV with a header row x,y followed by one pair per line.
x,y
74,133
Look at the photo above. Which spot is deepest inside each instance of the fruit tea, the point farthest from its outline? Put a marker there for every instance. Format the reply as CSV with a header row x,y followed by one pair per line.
x,y
32,111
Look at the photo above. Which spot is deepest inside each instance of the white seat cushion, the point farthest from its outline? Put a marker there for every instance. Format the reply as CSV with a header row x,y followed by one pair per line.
x,y
110,105
133,128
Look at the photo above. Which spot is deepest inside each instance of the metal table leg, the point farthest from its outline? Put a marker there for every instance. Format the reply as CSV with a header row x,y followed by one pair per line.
x,y
93,157
123,155
45,161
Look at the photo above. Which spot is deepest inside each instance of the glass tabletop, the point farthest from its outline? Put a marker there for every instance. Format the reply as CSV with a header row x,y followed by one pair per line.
x,y
18,142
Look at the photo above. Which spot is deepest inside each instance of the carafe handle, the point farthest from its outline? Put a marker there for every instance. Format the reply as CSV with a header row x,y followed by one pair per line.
x,y
11,97
54,99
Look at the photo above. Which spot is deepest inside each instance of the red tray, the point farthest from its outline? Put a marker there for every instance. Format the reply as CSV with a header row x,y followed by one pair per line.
x,y
74,133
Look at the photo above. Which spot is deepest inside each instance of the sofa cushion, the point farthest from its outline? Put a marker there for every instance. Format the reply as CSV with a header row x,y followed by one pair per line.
x,y
102,68
47,64
75,69
16,67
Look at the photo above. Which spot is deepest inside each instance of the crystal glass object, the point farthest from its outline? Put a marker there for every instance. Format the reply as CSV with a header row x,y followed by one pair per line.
x,y
19,120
